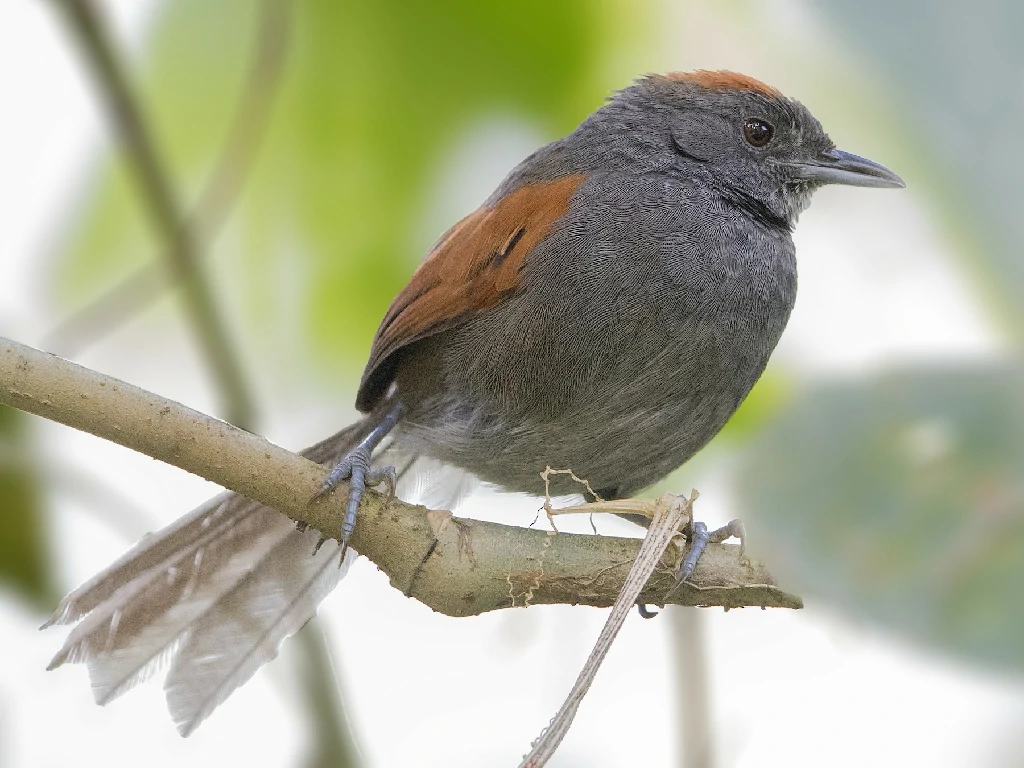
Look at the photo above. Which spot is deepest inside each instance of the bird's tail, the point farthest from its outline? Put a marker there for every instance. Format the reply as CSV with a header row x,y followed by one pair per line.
x,y
212,596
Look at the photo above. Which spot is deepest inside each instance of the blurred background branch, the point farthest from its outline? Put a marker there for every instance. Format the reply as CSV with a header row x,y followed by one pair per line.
x,y
332,741
155,188
692,660
24,553
134,293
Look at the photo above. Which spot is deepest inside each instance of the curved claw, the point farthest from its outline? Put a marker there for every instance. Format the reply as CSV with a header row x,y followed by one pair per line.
x,y
733,529
644,611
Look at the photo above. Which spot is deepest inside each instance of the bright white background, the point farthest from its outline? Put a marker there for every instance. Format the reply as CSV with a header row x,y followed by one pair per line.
x,y
790,689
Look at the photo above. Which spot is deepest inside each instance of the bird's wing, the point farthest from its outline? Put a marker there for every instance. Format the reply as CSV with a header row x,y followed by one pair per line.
x,y
475,266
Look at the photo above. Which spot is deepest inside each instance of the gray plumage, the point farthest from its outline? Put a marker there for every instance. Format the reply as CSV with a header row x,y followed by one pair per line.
x,y
674,319
646,315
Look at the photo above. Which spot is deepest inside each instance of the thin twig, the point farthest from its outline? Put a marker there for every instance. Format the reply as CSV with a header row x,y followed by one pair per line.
x,y
548,510
154,183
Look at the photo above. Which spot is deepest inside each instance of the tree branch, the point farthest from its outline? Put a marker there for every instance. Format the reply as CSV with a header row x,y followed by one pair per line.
x,y
456,566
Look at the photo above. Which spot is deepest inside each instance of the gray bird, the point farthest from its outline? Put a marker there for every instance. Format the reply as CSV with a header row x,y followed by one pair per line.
x,y
607,309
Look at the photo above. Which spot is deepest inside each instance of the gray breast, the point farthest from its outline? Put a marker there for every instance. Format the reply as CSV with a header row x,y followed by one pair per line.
x,y
640,329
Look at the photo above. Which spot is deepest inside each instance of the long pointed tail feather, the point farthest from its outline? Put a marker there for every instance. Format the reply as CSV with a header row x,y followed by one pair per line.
x,y
130,645
147,594
152,551
244,629
213,594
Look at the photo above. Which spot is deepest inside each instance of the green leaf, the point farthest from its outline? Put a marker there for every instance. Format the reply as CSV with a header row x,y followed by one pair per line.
x,y
903,499
24,554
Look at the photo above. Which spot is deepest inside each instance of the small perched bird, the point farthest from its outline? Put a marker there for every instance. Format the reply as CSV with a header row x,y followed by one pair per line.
x,y
607,309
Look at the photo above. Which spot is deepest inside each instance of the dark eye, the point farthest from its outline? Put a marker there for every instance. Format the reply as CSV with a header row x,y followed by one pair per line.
x,y
757,132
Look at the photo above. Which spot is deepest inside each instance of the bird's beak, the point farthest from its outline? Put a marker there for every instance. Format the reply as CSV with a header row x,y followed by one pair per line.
x,y
838,167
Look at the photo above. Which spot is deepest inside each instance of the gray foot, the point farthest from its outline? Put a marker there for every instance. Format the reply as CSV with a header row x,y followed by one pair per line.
x,y
355,468
699,537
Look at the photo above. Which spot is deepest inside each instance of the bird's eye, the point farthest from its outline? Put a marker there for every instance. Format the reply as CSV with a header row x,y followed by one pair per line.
x,y
757,132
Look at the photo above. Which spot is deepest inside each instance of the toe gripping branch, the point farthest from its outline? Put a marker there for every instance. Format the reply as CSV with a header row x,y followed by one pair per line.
x,y
698,537
357,469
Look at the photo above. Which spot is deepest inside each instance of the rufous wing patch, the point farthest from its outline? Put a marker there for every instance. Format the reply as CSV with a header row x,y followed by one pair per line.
x,y
475,266
723,80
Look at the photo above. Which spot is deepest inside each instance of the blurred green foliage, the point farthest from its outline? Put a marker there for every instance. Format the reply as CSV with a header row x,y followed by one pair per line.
x,y
955,71
901,499
771,393
24,550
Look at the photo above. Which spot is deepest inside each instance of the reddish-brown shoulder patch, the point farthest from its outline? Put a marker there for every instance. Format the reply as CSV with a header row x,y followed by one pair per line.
x,y
475,266
723,80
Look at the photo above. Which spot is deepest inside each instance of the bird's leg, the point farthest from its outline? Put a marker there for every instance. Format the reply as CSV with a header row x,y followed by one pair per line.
x,y
699,537
355,468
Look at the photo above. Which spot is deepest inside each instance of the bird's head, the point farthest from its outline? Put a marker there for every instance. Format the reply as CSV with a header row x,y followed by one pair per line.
x,y
744,138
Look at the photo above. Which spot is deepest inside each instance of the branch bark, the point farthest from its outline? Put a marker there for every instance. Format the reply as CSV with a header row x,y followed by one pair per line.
x,y
456,566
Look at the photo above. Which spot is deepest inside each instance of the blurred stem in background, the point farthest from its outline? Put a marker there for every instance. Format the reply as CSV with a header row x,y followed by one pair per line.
x,y
154,185
331,735
333,745
689,649
139,290
24,554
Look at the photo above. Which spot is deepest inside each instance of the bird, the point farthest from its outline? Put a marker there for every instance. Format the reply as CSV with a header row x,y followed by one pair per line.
x,y
607,309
